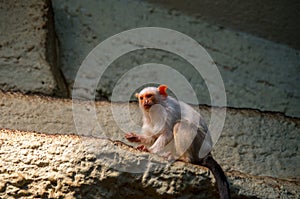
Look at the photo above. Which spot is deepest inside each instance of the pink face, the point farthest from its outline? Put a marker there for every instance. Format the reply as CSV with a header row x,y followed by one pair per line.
x,y
151,95
147,99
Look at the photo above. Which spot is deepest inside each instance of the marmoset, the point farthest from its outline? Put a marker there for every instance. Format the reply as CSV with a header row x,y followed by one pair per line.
x,y
173,129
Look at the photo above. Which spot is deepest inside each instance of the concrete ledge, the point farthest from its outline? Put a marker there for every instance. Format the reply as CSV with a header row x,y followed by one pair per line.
x,y
263,144
28,48
55,166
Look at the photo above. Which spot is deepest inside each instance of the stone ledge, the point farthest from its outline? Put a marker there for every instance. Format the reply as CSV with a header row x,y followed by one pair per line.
x,y
253,142
54,166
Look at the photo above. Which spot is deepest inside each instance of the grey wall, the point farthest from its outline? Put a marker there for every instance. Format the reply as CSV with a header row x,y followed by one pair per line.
x,y
277,20
257,73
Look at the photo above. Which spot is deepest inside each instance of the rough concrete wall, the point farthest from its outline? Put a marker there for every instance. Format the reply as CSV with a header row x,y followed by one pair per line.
x,y
28,48
256,143
274,20
45,166
257,73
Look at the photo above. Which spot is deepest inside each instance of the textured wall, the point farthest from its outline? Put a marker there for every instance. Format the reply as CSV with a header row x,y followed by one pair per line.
x,y
28,48
257,73
274,20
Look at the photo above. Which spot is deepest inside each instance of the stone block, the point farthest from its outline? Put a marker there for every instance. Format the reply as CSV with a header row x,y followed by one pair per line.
x,y
35,165
28,61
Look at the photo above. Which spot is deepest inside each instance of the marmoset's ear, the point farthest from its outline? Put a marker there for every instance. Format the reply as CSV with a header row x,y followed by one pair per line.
x,y
136,95
162,89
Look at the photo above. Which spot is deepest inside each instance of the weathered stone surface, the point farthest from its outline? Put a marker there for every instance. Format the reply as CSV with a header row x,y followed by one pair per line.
x,y
68,166
252,142
275,22
28,48
257,73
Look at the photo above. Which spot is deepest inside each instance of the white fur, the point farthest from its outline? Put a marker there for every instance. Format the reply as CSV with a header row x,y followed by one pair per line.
x,y
161,118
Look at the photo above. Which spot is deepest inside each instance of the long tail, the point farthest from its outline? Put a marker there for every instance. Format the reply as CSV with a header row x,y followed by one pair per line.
x,y
223,185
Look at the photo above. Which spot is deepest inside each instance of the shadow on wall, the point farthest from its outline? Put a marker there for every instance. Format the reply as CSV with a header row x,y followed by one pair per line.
x,y
276,21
